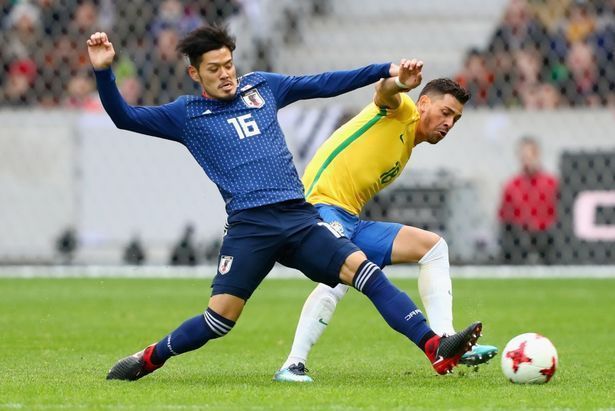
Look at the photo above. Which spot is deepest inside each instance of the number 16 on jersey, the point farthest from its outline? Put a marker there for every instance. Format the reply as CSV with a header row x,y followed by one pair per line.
x,y
245,126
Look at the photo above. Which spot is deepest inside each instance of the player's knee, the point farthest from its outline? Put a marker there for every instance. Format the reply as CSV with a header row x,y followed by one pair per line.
x,y
351,265
227,305
439,251
217,324
339,291
332,295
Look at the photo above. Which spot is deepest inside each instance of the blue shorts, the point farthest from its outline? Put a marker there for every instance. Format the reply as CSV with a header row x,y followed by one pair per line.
x,y
291,233
374,238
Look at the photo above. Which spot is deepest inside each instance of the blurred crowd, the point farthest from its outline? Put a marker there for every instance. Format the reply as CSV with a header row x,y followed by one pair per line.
x,y
546,54
542,54
45,60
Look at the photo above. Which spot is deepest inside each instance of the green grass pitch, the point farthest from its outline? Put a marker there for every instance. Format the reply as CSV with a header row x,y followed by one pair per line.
x,y
60,336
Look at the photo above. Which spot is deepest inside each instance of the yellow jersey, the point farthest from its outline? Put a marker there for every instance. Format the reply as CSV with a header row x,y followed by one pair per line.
x,y
362,156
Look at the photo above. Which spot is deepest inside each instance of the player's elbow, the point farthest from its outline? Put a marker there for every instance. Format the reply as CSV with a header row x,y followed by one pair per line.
x,y
123,122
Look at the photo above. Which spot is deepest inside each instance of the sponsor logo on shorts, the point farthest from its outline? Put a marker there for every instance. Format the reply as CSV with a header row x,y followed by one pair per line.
x,y
226,261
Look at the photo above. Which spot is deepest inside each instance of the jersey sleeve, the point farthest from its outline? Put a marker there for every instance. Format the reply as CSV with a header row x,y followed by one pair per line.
x,y
406,112
288,89
165,121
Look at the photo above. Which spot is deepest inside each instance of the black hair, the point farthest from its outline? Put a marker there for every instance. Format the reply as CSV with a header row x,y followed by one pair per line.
x,y
204,39
442,86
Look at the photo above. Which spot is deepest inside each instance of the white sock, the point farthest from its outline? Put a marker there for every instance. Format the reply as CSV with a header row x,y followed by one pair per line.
x,y
315,316
435,288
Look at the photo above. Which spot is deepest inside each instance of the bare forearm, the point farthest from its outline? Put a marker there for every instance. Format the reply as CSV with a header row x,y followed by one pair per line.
x,y
387,93
409,77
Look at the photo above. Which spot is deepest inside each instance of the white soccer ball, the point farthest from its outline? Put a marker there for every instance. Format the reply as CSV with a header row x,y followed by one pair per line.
x,y
529,359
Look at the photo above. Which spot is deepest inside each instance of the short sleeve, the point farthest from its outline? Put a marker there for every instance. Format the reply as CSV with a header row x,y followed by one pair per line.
x,y
406,112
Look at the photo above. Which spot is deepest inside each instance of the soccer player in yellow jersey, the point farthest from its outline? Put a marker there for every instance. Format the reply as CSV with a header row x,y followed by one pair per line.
x,y
361,158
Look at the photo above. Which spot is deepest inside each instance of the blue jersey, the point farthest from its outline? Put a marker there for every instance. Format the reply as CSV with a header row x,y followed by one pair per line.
x,y
238,143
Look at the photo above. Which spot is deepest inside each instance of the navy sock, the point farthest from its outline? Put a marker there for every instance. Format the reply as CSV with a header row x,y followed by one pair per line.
x,y
394,305
192,334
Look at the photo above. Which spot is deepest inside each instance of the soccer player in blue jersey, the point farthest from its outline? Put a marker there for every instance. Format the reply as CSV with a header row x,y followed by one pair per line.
x,y
233,133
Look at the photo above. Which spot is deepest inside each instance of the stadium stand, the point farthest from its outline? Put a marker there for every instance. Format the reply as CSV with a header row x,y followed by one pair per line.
x,y
539,67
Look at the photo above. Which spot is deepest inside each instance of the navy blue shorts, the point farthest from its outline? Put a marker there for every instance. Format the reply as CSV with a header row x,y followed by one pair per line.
x,y
291,233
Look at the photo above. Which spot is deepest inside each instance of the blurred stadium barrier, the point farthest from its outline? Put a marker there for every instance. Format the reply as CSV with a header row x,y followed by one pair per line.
x,y
281,272
541,68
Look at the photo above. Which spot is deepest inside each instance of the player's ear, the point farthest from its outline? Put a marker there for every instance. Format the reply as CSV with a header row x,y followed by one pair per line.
x,y
423,103
193,73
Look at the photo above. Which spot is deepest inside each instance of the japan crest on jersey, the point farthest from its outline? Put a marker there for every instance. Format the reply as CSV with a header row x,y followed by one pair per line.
x,y
226,261
253,99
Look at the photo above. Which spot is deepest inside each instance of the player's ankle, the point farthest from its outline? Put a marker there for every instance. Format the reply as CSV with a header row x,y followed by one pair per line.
x,y
431,347
150,359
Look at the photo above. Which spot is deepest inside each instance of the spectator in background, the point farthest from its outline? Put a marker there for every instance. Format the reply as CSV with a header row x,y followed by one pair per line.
x,y
476,78
604,46
519,28
131,89
164,75
23,26
184,252
544,96
60,62
519,56
18,88
88,14
81,94
51,17
502,65
528,210
582,85
528,68
217,11
173,15
66,245
134,254
580,21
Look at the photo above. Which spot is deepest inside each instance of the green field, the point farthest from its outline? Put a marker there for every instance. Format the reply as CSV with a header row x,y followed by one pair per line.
x,y
60,336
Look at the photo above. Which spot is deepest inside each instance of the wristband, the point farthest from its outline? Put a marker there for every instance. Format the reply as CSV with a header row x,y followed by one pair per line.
x,y
401,85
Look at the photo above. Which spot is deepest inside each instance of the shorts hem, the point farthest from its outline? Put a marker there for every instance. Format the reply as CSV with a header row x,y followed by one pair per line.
x,y
234,291
340,258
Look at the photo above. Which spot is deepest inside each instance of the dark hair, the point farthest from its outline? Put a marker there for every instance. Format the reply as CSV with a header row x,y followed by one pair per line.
x,y
204,39
442,86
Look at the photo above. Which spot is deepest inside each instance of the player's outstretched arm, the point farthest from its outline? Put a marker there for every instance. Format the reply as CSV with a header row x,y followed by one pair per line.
x,y
409,76
288,89
161,121
100,50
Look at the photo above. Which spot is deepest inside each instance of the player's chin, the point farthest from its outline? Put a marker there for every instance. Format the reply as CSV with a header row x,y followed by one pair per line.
x,y
436,138
226,95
